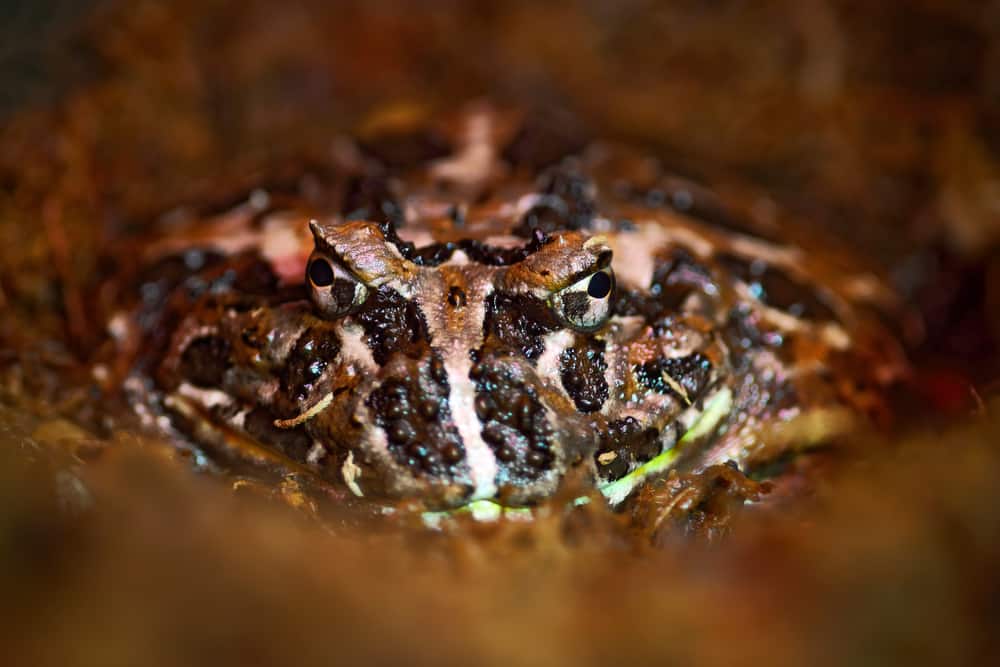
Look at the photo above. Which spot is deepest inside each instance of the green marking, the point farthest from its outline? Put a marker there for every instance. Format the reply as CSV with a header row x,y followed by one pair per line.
x,y
716,409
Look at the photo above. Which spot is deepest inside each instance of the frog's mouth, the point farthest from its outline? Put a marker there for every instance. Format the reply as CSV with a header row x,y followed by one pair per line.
x,y
717,407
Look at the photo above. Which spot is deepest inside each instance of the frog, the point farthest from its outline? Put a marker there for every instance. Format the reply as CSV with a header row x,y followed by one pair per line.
x,y
464,310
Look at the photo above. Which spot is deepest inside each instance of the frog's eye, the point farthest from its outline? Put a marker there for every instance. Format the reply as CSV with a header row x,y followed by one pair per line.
x,y
332,288
586,304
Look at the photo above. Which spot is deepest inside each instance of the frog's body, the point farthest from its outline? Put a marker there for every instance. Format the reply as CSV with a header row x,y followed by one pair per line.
x,y
473,326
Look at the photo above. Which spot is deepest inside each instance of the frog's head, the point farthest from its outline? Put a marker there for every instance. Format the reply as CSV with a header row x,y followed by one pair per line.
x,y
478,373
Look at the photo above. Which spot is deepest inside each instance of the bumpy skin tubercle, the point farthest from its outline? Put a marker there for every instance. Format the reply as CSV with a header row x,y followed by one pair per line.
x,y
416,334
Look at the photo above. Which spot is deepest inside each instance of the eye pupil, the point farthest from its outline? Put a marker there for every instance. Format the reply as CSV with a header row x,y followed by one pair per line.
x,y
599,285
320,273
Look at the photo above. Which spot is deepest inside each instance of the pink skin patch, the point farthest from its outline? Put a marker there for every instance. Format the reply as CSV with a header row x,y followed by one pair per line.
x,y
290,268
286,243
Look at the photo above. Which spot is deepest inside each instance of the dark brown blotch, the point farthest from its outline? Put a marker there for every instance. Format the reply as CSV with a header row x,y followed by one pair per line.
x,y
315,349
517,323
676,275
623,446
205,361
567,202
545,137
696,201
581,370
393,324
779,289
692,373
414,412
514,424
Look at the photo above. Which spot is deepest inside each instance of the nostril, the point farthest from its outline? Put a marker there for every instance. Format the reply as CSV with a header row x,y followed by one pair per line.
x,y
456,296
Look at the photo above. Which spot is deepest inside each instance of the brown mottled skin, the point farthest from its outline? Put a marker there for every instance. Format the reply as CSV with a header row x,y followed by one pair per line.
x,y
472,323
